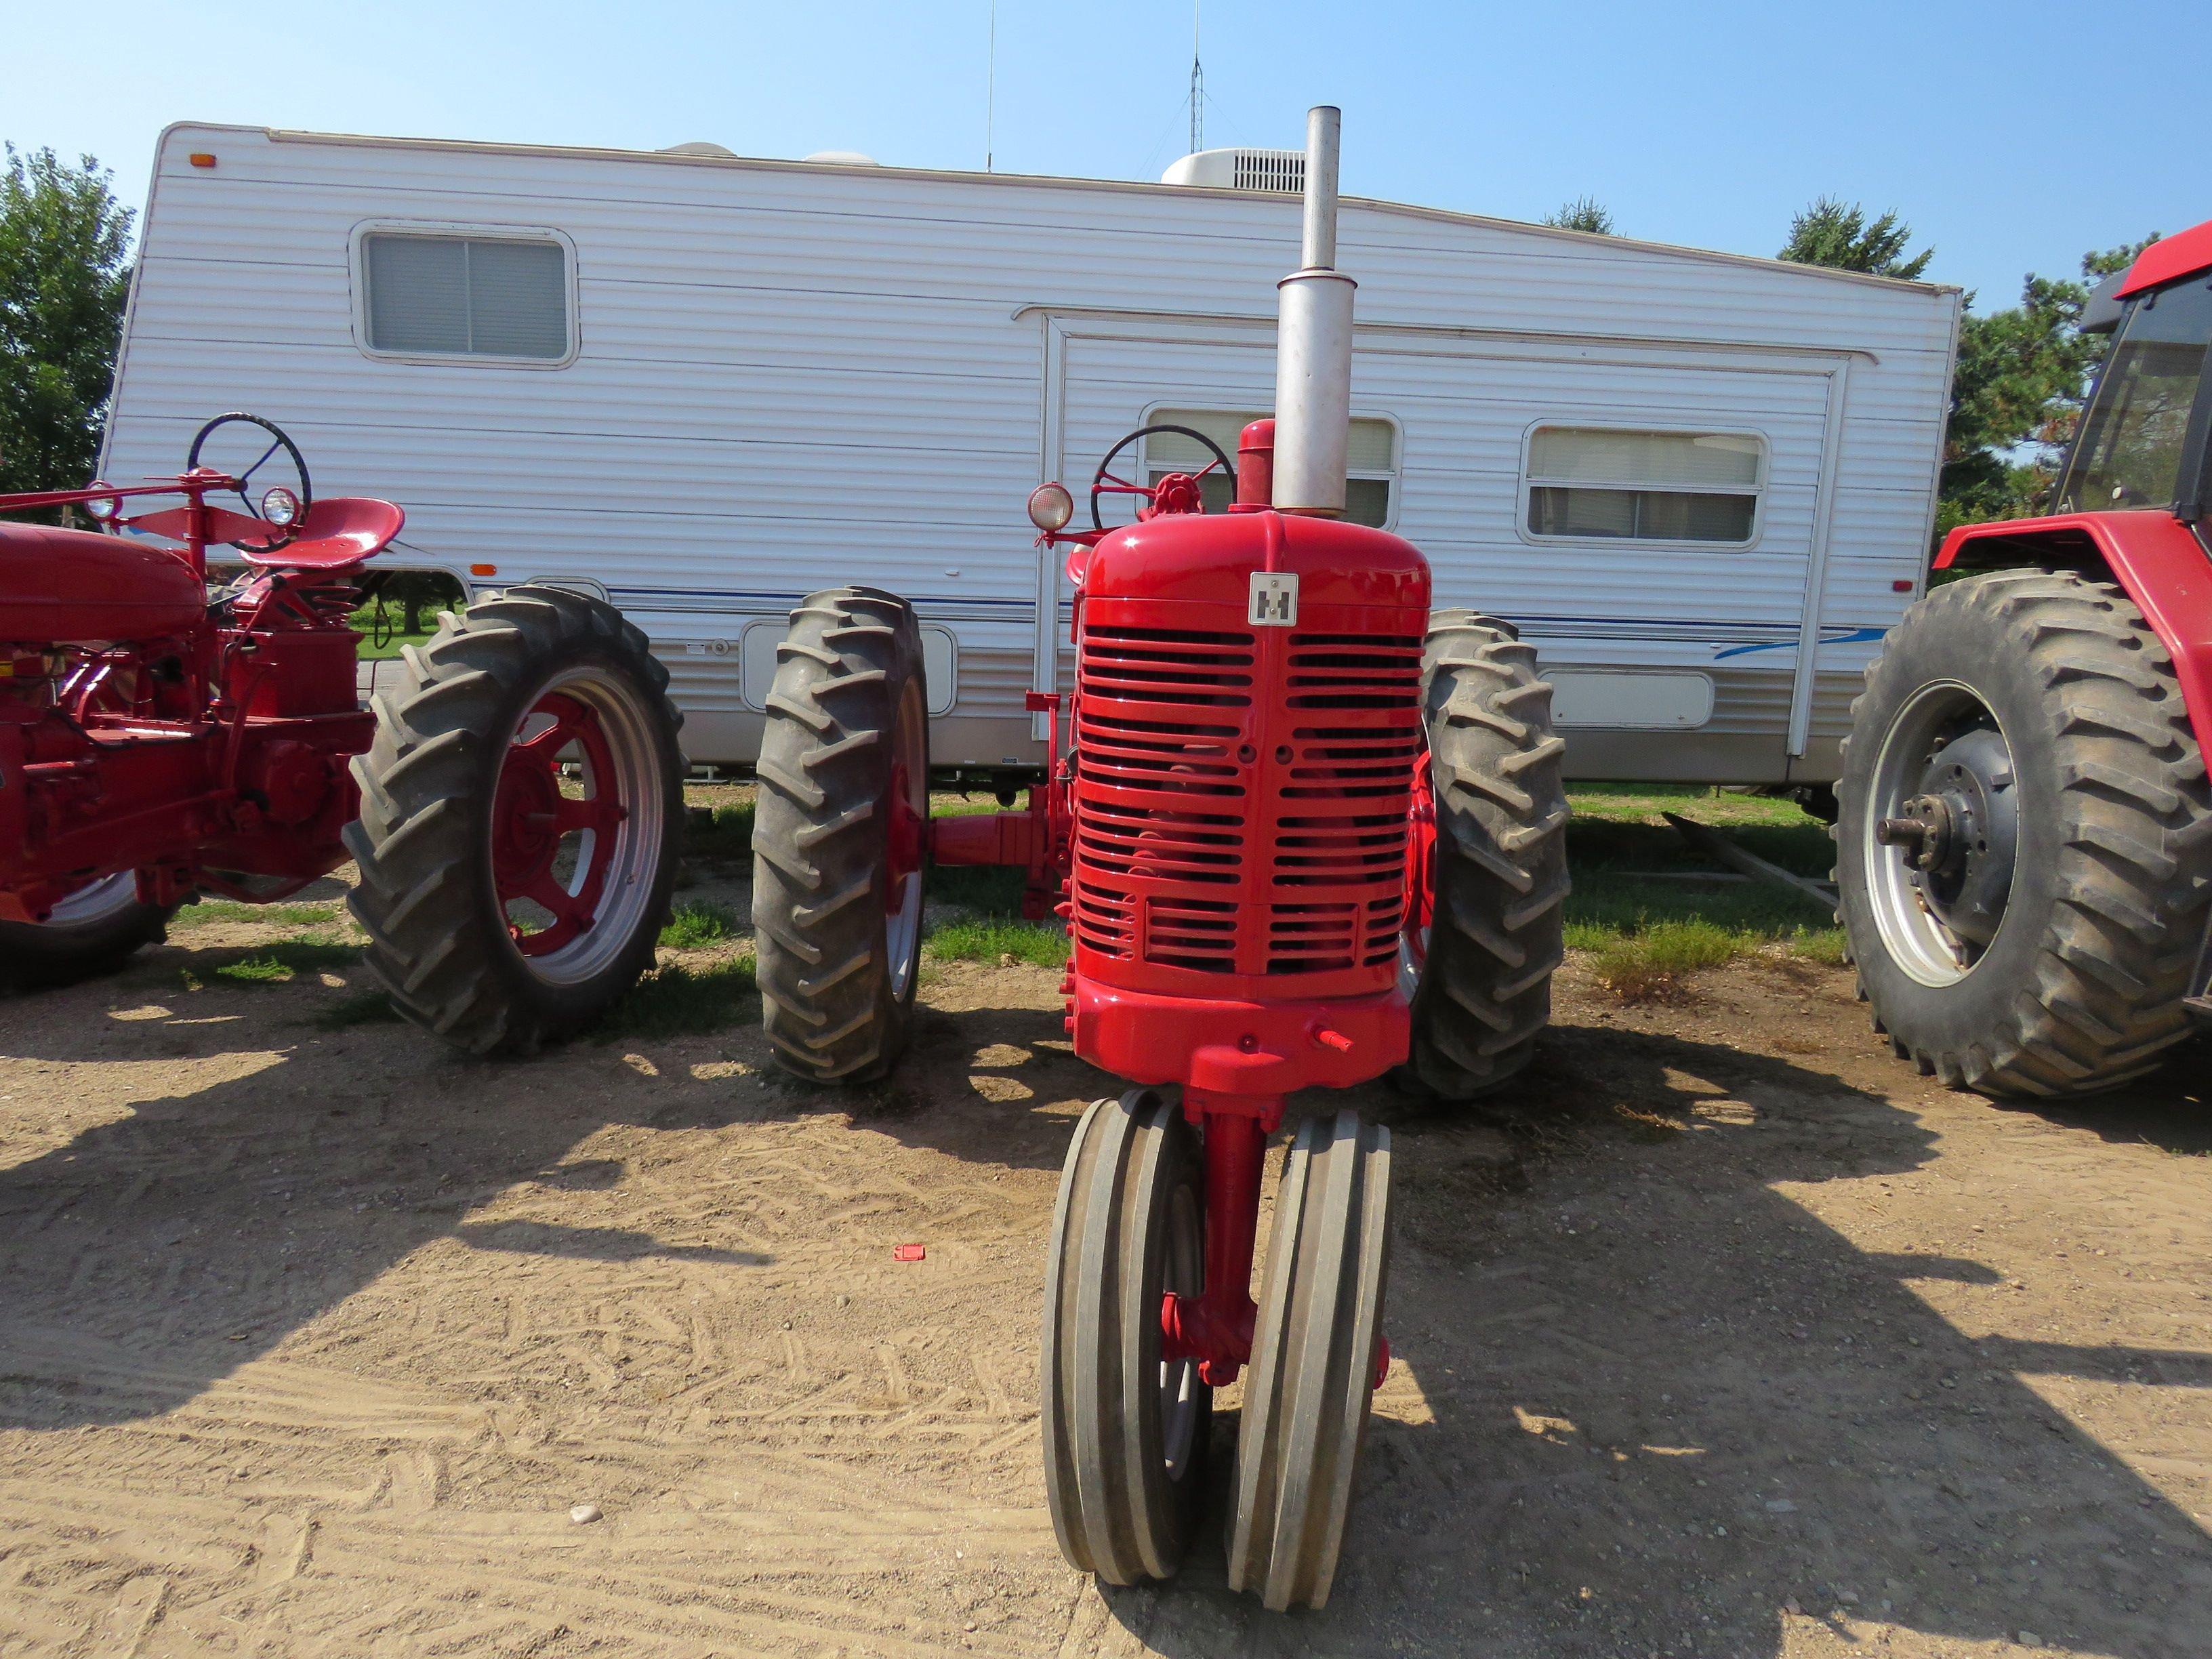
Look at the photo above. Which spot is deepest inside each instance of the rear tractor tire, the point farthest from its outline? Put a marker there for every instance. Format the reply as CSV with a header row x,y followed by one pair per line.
x,y
2024,856
520,813
839,836
1479,965
91,932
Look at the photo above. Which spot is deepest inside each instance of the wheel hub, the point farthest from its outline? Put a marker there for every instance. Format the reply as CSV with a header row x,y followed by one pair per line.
x,y
1959,833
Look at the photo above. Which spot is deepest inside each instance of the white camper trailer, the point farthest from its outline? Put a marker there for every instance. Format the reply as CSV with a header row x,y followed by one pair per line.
x,y
1701,485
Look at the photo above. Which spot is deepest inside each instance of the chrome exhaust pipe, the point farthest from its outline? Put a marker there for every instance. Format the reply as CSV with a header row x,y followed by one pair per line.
x,y
1313,344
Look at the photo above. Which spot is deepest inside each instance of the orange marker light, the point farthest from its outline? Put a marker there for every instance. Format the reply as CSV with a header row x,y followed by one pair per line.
x,y
484,570
200,158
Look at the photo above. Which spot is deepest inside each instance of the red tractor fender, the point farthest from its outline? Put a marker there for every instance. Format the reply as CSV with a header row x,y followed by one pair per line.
x,y
2153,557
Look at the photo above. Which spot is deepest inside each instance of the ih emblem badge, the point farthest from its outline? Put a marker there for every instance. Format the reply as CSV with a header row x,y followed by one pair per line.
x,y
1275,600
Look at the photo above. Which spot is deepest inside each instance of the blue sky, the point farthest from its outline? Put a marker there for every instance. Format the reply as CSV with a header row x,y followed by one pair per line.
x,y
1995,129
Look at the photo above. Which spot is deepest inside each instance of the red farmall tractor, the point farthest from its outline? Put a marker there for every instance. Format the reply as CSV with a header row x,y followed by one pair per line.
x,y
512,807
1304,832
2024,848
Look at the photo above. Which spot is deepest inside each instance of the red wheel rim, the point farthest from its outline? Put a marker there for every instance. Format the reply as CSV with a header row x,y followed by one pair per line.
x,y
1420,869
537,828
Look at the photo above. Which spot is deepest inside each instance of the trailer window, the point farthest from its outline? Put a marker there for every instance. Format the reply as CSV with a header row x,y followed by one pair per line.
x,y
1619,484
466,297
1370,470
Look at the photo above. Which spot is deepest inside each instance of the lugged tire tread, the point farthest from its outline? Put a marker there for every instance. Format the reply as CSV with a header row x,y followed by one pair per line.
x,y
2134,856
416,833
817,836
1502,880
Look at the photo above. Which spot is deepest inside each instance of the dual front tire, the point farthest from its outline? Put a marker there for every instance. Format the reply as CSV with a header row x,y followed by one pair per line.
x,y
1126,1427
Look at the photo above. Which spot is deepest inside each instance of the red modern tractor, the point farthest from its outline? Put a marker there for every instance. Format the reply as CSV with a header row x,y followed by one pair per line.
x,y
512,807
2025,847
1304,832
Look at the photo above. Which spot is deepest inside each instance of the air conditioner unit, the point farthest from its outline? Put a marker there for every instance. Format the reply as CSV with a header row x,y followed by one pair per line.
x,y
1280,171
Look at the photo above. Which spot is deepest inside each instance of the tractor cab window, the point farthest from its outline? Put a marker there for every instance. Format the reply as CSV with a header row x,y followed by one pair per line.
x,y
2130,453
1370,461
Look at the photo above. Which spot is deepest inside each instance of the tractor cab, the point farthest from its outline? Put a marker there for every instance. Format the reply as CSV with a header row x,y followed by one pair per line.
x,y
2146,439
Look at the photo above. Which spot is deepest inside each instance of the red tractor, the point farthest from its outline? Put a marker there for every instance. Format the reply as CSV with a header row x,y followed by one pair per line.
x,y
2025,847
1303,833
513,809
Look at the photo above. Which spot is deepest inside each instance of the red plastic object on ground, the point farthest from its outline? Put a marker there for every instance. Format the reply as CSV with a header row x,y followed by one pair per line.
x,y
909,1252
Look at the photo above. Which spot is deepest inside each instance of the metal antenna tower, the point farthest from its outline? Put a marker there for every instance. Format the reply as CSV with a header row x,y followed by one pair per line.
x,y
1197,89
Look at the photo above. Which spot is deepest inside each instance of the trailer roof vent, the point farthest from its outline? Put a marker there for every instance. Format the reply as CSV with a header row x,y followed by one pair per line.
x,y
1281,171
702,147
842,158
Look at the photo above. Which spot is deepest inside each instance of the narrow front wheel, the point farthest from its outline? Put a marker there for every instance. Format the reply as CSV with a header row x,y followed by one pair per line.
x,y
1125,1429
1316,1359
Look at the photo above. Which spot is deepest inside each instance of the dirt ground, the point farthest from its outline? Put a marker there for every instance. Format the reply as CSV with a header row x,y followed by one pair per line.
x,y
1725,1334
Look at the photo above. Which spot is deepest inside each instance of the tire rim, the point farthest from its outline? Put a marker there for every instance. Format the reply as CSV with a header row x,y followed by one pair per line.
x,y
96,900
1941,833
1414,932
574,872
1184,1275
906,835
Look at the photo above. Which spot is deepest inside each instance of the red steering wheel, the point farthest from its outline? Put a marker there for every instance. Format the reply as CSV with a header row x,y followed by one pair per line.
x,y
1176,493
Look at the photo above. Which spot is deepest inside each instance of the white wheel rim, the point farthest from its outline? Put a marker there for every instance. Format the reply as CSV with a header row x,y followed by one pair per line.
x,y
1919,943
96,900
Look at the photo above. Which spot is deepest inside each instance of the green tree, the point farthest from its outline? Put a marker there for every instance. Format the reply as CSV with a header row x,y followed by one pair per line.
x,y
1583,213
1840,236
65,274
2017,394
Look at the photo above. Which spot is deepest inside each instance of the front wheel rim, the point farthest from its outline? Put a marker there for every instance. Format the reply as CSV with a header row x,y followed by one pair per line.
x,y
1414,932
95,901
574,872
1943,719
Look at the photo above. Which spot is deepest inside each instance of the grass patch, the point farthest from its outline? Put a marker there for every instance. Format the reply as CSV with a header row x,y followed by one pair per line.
x,y
209,911
697,923
1648,966
678,1000
271,964
727,832
1647,930
996,939
362,1008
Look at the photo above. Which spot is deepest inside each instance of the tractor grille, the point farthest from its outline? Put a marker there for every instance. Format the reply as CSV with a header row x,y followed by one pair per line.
x,y
1241,800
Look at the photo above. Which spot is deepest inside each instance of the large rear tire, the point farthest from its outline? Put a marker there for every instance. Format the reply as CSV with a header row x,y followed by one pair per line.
x,y
520,811
1479,968
1124,1433
2030,925
838,837
90,932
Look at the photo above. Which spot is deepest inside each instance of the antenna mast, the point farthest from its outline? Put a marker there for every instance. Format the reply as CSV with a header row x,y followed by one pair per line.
x,y
1197,88
991,88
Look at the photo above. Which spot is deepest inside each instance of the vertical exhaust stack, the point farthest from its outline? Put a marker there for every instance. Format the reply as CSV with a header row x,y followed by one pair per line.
x,y
1313,344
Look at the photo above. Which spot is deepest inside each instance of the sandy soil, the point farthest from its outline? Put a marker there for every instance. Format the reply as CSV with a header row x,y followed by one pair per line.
x,y
1726,1335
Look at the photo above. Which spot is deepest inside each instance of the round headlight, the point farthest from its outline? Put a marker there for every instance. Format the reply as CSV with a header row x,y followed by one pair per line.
x,y
103,507
1050,508
280,506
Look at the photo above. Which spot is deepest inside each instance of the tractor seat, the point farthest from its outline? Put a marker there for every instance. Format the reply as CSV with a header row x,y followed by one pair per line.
x,y
339,531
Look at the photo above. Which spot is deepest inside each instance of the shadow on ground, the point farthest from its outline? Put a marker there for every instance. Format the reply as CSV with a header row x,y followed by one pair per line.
x,y
1656,1400
1664,1402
